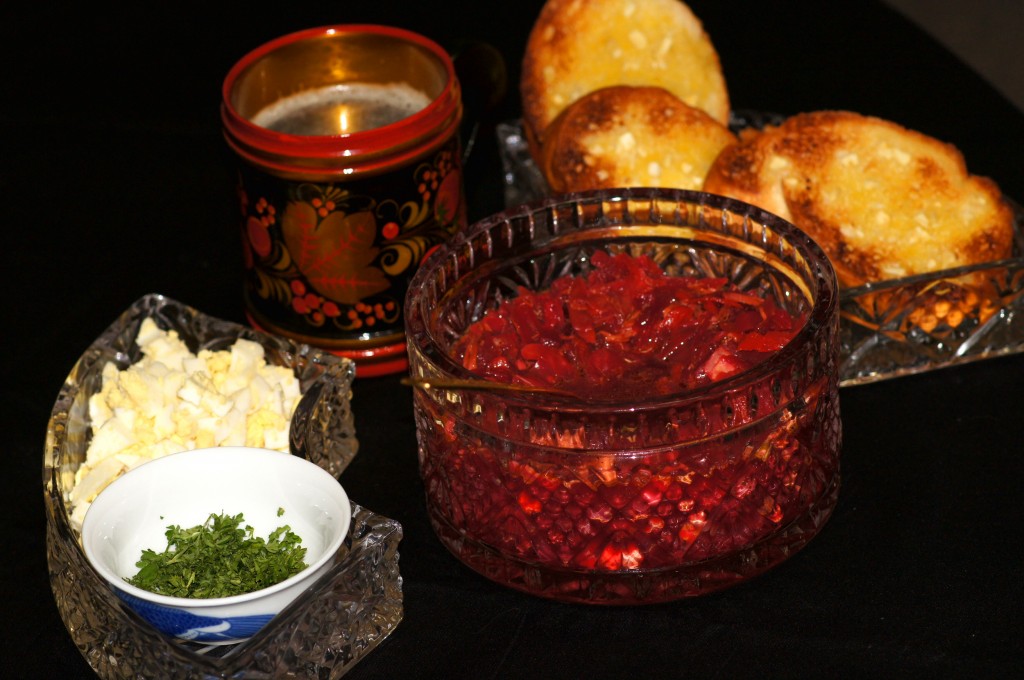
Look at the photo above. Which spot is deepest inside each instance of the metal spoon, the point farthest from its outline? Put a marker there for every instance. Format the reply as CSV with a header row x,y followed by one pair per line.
x,y
484,386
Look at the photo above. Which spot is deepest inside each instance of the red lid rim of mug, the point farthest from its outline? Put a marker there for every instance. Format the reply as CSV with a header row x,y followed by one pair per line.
x,y
420,124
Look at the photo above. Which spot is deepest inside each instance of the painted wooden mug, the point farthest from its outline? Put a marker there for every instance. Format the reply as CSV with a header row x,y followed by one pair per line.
x,y
350,172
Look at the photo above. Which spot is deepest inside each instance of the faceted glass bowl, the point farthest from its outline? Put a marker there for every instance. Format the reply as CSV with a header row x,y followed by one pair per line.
x,y
327,629
640,501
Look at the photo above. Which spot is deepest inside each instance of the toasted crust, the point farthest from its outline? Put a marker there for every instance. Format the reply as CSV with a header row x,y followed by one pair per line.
x,y
578,46
631,136
883,201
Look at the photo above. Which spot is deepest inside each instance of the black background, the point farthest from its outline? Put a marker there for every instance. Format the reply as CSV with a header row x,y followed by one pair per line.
x,y
115,182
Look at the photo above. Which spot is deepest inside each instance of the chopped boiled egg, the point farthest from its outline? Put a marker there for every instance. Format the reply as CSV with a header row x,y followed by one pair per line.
x,y
172,400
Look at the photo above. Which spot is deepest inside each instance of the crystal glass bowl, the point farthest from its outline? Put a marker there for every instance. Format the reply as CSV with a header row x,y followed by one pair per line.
x,y
639,500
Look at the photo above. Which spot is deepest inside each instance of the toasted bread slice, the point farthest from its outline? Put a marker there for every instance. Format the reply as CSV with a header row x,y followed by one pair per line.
x,y
578,46
883,201
624,136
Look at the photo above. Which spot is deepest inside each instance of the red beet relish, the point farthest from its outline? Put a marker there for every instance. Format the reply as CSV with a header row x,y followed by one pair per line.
x,y
626,330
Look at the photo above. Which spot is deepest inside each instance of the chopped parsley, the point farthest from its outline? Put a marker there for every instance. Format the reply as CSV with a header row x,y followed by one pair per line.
x,y
219,558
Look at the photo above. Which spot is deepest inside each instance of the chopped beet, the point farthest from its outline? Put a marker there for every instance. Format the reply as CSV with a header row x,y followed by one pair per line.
x,y
626,329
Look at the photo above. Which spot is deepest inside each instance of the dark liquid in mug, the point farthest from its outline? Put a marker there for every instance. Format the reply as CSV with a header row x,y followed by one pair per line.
x,y
341,109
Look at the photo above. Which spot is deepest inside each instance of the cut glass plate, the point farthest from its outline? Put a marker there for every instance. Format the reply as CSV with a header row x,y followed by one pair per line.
x,y
325,631
888,329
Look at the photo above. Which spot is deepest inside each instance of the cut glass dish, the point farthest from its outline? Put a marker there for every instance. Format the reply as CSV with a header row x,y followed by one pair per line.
x,y
887,329
324,632
611,496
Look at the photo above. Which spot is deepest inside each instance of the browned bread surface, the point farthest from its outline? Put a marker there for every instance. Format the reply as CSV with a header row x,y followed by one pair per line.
x,y
631,136
578,46
883,201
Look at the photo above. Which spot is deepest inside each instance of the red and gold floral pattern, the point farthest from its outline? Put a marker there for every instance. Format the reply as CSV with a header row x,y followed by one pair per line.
x,y
332,260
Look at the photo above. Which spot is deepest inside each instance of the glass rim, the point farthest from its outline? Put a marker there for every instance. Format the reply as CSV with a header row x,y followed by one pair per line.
x,y
821,280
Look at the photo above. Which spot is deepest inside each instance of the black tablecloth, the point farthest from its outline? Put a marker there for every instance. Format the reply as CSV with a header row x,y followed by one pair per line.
x,y
115,182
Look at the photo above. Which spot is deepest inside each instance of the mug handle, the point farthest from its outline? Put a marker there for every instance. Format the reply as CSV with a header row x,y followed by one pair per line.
x,y
483,78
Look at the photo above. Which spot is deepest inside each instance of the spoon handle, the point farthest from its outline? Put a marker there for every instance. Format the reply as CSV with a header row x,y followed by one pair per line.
x,y
481,385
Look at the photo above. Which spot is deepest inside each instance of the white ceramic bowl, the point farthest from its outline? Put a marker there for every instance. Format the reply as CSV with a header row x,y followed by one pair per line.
x,y
134,512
